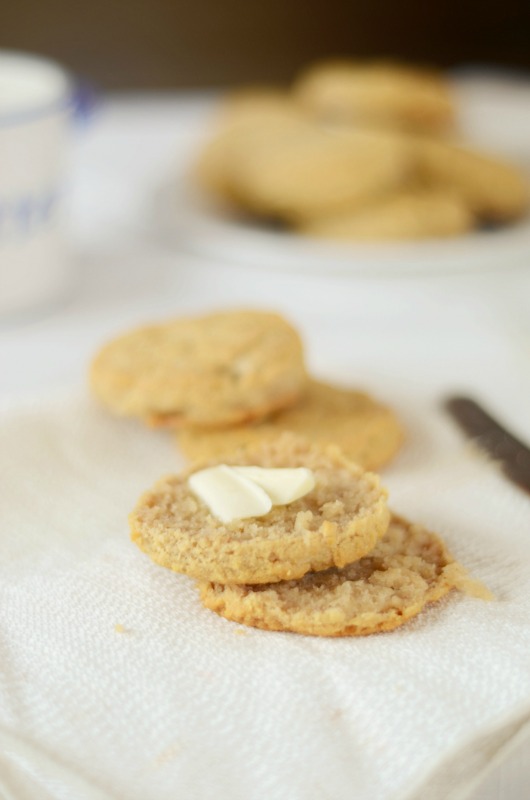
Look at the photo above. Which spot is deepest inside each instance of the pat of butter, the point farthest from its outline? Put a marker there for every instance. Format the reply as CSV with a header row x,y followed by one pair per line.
x,y
283,485
233,493
229,495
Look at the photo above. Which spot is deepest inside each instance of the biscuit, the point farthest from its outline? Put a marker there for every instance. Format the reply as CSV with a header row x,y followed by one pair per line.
x,y
409,568
244,118
319,170
368,433
340,520
494,190
405,214
378,93
220,369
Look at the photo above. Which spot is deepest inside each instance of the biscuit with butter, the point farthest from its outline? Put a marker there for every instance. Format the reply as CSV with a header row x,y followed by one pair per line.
x,y
339,520
386,94
406,214
408,569
220,369
368,433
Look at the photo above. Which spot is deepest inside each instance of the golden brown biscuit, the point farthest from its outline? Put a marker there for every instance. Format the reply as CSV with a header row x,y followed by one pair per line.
x,y
494,190
409,568
340,520
219,369
405,214
319,171
380,93
244,117
367,432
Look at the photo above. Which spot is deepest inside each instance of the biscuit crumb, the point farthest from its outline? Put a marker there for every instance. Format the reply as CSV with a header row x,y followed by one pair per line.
x,y
168,755
118,628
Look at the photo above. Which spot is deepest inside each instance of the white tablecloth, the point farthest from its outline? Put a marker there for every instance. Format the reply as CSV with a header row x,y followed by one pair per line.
x,y
401,338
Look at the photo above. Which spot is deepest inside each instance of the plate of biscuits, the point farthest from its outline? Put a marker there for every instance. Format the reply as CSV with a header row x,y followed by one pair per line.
x,y
356,167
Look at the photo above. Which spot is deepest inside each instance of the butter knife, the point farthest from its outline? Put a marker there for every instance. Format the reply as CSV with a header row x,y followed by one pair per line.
x,y
491,437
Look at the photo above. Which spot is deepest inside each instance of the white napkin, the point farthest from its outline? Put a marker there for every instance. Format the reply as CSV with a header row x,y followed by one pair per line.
x,y
117,685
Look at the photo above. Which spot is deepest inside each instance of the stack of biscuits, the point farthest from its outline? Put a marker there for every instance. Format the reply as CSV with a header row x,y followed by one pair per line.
x,y
237,378
357,151
334,562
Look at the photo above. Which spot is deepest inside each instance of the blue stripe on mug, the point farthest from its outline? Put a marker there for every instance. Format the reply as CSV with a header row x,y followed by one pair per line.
x,y
26,216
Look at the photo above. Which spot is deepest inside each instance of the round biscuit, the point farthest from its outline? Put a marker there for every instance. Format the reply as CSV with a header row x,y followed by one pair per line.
x,y
381,93
368,433
219,369
245,119
494,190
340,520
408,568
405,214
319,170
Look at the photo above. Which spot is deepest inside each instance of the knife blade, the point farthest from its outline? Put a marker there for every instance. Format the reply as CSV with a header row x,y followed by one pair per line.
x,y
491,437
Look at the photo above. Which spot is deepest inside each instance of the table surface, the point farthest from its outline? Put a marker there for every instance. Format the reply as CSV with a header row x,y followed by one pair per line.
x,y
123,274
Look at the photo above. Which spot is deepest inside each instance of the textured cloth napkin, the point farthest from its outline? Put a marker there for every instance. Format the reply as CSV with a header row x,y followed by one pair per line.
x,y
117,685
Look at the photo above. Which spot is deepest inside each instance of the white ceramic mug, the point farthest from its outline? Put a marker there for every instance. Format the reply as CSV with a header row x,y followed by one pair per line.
x,y
36,102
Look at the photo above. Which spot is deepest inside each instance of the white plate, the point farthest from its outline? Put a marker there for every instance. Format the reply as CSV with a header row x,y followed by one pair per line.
x,y
188,220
